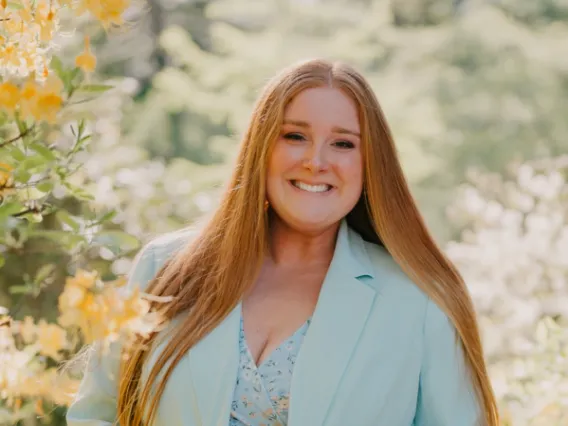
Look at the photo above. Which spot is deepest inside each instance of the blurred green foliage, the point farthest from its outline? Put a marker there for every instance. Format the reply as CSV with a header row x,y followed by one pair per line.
x,y
463,83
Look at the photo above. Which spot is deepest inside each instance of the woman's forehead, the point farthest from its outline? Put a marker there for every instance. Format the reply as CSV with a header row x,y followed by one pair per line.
x,y
323,105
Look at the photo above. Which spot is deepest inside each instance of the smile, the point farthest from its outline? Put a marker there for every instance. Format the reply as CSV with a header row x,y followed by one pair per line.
x,y
323,187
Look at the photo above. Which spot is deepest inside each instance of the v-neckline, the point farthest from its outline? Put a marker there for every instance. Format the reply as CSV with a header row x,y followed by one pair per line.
x,y
265,360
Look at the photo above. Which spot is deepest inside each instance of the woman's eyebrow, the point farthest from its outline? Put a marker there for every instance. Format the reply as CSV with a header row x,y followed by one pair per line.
x,y
346,131
336,129
298,123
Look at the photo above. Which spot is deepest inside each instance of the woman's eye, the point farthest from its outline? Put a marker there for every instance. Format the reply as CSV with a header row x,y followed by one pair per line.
x,y
294,136
344,144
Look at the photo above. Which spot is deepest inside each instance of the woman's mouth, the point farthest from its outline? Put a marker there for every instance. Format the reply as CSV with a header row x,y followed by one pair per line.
x,y
316,188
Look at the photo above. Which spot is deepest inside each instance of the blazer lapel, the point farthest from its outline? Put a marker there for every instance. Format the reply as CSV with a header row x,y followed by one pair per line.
x,y
342,309
213,366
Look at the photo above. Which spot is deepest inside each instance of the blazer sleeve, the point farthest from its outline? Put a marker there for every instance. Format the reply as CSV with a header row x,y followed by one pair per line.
x,y
446,396
95,401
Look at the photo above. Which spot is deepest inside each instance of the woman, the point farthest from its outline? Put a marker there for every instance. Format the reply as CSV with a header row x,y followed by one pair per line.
x,y
314,295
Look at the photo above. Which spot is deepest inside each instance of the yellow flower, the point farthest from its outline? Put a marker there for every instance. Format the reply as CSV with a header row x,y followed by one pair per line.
x,y
28,98
45,18
71,297
86,60
83,279
46,28
75,299
27,32
128,312
48,105
108,12
48,100
41,102
5,174
51,339
53,84
6,185
81,307
25,12
38,407
104,312
53,386
9,96
28,330
10,55
13,363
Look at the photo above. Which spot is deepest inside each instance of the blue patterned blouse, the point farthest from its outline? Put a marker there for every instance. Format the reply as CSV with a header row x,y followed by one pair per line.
x,y
262,393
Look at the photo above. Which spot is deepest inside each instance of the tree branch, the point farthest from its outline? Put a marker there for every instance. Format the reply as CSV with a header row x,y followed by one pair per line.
x,y
30,210
14,139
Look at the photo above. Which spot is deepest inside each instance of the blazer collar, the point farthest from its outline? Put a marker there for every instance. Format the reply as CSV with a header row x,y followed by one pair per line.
x,y
343,307
350,250
341,312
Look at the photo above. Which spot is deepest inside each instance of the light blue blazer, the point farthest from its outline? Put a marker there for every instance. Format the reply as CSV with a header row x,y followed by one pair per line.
x,y
378,353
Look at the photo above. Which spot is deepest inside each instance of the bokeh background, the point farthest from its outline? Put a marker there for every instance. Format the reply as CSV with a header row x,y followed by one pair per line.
x,y
476,92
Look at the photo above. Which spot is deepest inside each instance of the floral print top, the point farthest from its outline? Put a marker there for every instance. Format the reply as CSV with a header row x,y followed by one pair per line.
x,y
262,393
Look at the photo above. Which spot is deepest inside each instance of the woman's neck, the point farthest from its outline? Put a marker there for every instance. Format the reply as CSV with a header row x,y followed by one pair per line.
x,y
290,247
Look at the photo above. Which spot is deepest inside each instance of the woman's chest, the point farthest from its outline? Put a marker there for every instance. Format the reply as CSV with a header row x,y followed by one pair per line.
x,y
359,369
262,391
275,309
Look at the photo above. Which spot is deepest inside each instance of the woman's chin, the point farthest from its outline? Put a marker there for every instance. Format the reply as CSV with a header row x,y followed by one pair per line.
x,y
310,223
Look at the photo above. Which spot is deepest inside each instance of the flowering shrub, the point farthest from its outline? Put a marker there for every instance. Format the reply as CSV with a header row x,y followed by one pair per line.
x,y
39,162
512,254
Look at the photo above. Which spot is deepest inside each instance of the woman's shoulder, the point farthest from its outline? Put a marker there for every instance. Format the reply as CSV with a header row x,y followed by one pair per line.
x,y
402,293
389,278
384,265
155,253
164,246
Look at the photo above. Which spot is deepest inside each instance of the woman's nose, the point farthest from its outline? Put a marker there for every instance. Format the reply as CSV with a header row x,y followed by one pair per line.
x,y
315,160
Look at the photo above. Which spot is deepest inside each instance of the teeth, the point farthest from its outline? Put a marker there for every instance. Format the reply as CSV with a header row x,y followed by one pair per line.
x,y
311,188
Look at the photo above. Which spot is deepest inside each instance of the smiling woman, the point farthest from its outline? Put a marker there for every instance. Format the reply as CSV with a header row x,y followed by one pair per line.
x,y
314,295
315,171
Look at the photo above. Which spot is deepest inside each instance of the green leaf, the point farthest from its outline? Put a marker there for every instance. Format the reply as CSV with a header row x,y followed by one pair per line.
x,y
44,272
22,175
64,217
16,153
83,195
95,88
45,186
28,194
2,260
32,162
79,143
21,125
117,241
81,127
107,216
44,151
79,193
57,66
67,239
9,209
76,76
20,289
33,217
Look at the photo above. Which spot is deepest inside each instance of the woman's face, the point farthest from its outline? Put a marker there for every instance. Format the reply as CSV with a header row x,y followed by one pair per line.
x,y
315,171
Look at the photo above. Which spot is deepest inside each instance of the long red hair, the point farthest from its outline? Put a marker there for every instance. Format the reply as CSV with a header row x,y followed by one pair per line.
x,y
209,276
